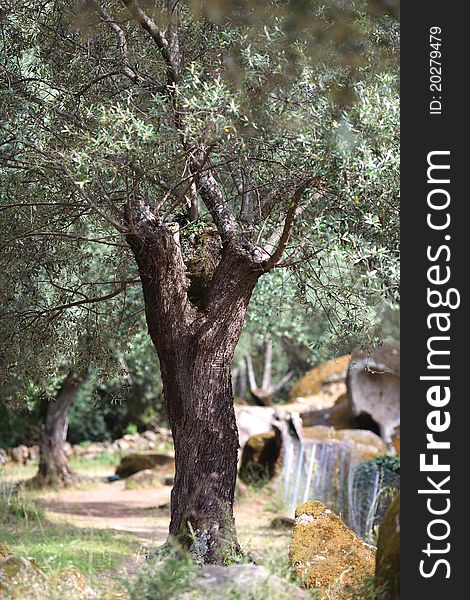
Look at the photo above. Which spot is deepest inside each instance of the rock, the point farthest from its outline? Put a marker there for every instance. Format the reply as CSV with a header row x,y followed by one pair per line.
x,y
282,523
121,445
93,450
387,570
148,478
339,416
374,485
21,579
4,550
242,581
396,439
20,454
33,453
373,384
259,457
3,457
68,449
324,552
362,441
323,385
68,582
252,420
151,436
132,463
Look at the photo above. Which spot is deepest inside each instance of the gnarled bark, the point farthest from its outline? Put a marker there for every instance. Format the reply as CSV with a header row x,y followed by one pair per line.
x,y
195,347
53,465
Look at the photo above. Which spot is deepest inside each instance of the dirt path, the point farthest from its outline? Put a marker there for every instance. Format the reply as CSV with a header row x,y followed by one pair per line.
x,y
145,514
111,506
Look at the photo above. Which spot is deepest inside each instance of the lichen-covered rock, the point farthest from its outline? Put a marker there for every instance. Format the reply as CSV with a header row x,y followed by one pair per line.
x,y
3,457
323,378
387,571
241,581
324,552
132,463
148,478
259,457
373,384
22,579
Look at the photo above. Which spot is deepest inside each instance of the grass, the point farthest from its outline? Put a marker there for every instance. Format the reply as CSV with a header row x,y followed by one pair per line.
x,y
96,553
92,551
101,460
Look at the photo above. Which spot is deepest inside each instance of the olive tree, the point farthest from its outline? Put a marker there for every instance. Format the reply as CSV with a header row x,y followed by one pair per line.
x,y
193,147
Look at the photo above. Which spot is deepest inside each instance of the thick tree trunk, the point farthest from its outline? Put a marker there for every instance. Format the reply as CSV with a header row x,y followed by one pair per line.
x,y
195,347
53,466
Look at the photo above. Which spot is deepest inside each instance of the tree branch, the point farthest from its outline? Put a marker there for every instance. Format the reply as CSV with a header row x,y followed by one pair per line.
x,y
278,242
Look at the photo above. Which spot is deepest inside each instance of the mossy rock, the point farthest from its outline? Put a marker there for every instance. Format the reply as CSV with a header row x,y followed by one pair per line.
x,y
312,382
133,463
259,457
326,554
388,551
22,579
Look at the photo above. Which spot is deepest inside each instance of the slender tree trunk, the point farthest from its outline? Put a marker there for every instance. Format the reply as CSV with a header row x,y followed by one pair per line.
x,y
53,465
195,347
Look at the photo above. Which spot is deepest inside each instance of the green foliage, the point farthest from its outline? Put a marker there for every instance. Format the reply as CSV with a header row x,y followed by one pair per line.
x,y
279,92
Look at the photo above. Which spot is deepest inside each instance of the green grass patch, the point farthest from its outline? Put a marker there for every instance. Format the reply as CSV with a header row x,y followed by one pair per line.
x,y
92,551
100,460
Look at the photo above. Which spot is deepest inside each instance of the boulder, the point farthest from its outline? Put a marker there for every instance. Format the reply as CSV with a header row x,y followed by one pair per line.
x,y
132,463
260,456
19,454
253,420
322,386
241,581
3,457
362,441
396,439
33,453
151,436
148,478
325,553
22,579
387,571
339,416
373,384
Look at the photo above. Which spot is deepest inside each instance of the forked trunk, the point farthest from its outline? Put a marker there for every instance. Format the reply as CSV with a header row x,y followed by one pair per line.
x,y
195,346
53,465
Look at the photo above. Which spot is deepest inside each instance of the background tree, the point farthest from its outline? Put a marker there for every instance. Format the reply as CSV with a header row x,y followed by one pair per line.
x,y
187,140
